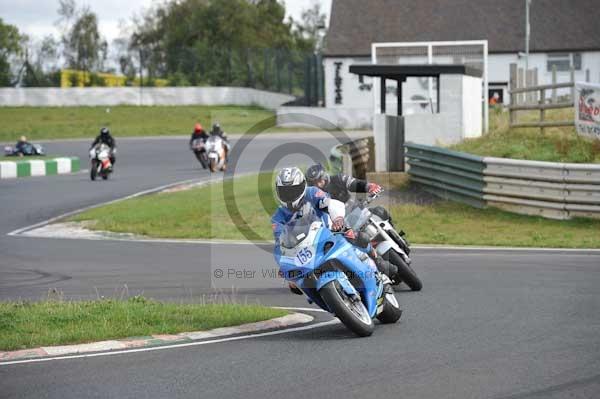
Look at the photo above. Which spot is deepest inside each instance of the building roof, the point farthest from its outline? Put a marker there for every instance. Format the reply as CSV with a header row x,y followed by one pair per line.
x,y
395,71
556,25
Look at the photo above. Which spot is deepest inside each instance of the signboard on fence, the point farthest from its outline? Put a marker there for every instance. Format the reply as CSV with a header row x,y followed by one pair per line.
x,y
587,109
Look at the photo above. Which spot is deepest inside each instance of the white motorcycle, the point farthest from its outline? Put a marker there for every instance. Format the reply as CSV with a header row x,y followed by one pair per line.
x,y
390,245
216,153
100,164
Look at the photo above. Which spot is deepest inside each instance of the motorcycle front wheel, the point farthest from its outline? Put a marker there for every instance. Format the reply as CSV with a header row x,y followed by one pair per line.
x,y
213,165
201,157
93,170
351,311
406,273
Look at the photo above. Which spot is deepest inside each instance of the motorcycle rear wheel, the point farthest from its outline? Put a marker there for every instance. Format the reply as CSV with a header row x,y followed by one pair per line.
x,y
391,312
350,311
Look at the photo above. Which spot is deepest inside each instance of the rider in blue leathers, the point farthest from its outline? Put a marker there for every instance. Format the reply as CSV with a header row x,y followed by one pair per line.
x,y
293,193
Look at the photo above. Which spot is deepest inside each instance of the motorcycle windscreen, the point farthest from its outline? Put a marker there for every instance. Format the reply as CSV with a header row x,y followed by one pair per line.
x,y
297,229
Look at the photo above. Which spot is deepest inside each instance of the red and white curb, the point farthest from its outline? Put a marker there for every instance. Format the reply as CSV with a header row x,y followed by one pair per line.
x,y
163,340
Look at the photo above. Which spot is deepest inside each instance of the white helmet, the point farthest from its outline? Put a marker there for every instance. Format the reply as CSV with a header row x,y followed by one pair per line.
x,y
290,187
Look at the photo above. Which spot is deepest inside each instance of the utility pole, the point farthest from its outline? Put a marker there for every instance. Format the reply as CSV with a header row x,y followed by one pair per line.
x,y
527,32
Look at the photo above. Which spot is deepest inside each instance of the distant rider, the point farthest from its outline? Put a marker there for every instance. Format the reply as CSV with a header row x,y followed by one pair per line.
x,y
198,133
23,147
293,193
105,138
217,131
340,186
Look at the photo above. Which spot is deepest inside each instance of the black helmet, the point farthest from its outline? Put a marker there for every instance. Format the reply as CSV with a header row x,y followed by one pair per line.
x,y
104,131
316,173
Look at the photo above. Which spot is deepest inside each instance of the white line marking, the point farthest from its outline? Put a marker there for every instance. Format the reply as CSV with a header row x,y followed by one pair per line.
x,y
145,192
157,348
71,213
299,309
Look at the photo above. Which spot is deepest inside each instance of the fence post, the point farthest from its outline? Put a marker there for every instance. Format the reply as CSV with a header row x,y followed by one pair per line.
x,y
266,69
587,75
554,82
512,86
278,69
528,83
290,83
249,74
520,84
536,97
573,82
307,82
542,110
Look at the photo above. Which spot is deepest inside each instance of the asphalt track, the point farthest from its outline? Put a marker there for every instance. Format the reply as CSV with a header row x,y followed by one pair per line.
x,y
488,324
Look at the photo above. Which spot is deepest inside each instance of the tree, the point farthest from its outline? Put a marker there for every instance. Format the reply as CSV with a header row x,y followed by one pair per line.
x,y
310,27
217,42
10,48
84,48
39,65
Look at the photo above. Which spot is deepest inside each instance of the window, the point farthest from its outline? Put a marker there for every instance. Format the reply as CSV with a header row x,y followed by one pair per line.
x,y
577,61
564,61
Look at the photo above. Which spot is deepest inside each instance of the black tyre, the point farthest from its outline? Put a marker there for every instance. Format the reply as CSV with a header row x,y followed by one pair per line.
x,y
201,157
213,165
350,311
104,176
391,312
405,272
93,170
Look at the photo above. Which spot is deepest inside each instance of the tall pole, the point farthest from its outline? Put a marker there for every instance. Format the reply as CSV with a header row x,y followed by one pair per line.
x,y
527,32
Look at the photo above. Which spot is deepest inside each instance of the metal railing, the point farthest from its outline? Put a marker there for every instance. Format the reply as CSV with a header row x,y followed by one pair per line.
x,y
549,189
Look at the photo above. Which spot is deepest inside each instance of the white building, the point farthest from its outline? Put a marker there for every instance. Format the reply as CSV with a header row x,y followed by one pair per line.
x,y
564,33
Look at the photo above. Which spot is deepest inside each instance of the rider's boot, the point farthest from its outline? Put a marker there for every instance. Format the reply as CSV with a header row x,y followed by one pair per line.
x,y
295,289
386,267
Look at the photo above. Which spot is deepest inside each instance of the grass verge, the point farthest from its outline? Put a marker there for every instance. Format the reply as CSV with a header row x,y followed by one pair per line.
x,y
450,223
29,325
554,145
202,214
39,123
196,213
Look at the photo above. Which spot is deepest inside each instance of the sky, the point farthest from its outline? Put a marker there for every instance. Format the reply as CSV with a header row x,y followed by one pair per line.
x,y
37,17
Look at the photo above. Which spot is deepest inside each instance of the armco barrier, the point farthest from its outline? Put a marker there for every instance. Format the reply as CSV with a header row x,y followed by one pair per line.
x,y
448,174
548,189
38,167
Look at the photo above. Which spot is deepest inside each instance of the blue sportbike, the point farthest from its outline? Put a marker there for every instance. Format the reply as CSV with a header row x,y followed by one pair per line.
x,y
337,276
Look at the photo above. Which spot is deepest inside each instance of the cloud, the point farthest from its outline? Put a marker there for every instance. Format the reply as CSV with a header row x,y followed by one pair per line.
x,y
37,17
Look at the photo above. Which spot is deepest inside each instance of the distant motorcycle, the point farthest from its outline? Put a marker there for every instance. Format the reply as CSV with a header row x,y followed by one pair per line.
x,y
216,153
200,152
26,149
100,164
388,243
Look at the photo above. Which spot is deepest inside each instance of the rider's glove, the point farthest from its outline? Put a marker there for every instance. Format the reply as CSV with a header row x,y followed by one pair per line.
x,y
337,224
374,188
